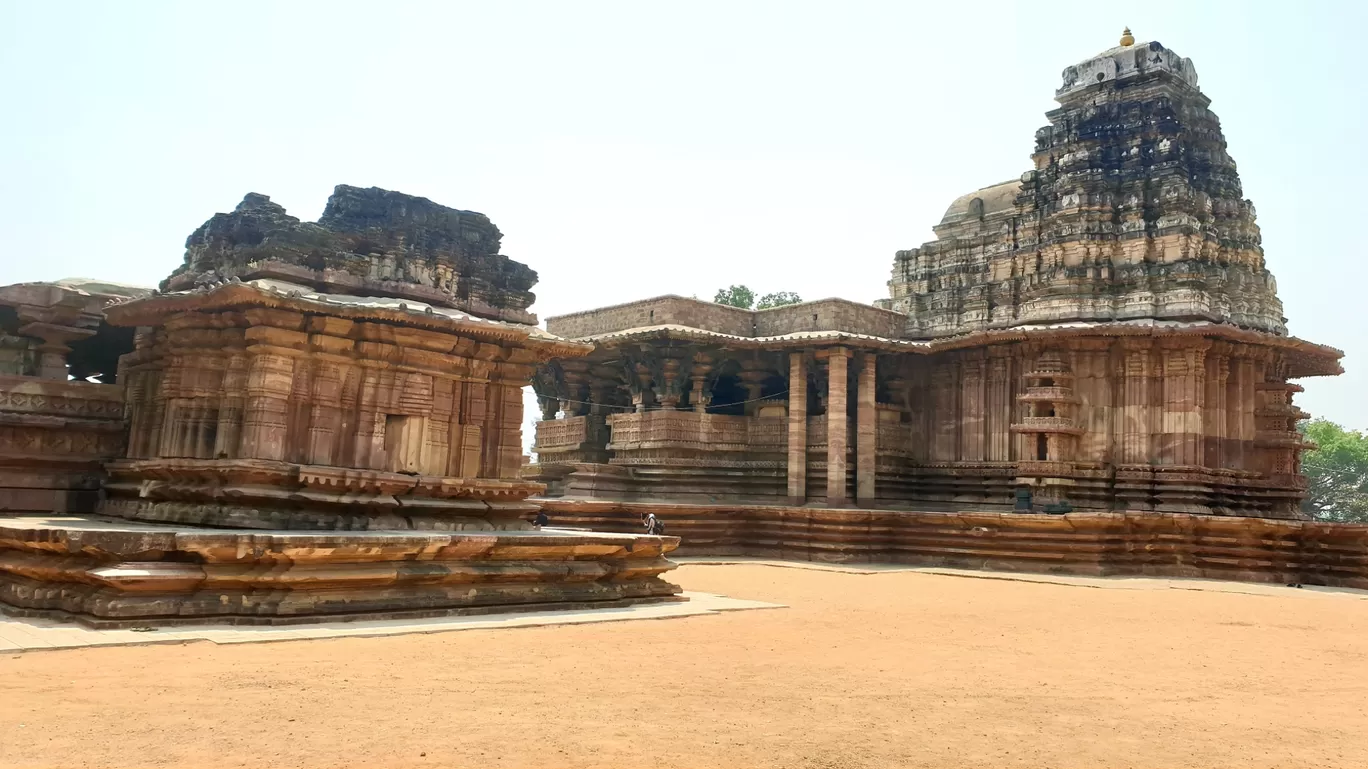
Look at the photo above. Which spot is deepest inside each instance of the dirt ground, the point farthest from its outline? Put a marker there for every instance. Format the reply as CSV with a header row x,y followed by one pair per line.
x,y
863,670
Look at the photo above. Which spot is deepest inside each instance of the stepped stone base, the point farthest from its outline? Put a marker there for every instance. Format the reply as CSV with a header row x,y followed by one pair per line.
x,y
1093,544
109,573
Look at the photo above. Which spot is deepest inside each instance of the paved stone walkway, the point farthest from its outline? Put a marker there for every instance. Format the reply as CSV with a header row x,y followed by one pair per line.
x,y
28,634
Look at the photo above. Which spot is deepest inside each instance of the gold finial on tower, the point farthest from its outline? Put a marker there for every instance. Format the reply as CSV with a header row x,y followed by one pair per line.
x,y
1126,39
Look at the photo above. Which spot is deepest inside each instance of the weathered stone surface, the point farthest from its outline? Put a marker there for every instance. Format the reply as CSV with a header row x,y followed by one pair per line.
x,y
1132,543
111,574
1133,210
370,242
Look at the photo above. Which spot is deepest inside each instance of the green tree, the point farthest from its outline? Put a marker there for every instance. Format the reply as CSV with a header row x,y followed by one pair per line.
x,y
778,299
736,296
1336,472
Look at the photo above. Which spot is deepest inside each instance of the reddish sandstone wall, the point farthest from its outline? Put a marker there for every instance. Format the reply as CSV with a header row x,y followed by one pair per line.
x,y
54,438
659,311
1126,543
830,315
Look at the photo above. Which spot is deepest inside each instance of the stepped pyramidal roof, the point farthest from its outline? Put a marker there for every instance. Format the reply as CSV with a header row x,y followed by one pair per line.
x,y
1133,210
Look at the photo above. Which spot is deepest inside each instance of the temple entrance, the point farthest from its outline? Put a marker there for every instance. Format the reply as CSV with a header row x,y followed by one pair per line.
x,y
728,396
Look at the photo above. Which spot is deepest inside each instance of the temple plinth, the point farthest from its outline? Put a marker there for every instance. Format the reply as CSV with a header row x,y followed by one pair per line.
x,y
296,452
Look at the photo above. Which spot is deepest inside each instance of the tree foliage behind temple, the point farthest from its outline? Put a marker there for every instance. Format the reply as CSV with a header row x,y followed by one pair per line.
x,y
736,296
743,297
1336,473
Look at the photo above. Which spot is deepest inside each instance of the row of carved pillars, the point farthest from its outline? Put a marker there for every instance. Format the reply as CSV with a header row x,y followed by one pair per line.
x,y
838,361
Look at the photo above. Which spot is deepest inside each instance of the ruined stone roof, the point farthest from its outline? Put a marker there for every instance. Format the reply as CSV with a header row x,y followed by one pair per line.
x,y
369,242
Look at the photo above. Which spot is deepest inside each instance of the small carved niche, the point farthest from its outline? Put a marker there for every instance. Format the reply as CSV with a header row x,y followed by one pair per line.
x,y
404,435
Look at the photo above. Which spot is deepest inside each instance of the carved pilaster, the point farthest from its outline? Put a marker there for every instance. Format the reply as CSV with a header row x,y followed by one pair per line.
x,y
1184,392
998,407
1215,408
944,411
1137,370
972,416
270,380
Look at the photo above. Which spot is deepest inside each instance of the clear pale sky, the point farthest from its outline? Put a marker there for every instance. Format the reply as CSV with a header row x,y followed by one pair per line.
x,y
633,149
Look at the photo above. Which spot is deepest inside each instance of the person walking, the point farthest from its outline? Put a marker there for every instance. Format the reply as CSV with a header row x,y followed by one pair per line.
x,y
653,525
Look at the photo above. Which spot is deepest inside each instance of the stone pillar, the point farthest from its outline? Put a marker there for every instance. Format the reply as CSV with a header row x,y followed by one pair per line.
x,y
1184,395
797,428
752,378
368,435
474,406
228,436
437,441
944,422
510,425
1091,364
999,404
54,345
270,379
866,430
971,414
1135,402
838,436
1239,405
699,397
1214,416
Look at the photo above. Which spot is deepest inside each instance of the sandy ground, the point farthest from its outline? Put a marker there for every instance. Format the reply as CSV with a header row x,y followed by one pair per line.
x,y
893,669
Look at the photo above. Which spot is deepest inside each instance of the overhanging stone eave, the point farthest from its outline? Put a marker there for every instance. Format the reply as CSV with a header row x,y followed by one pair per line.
x,y
152,310
1314,359
780,341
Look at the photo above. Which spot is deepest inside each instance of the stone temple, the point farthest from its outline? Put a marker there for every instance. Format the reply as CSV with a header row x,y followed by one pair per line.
x,y
311,420
1100,334
1087,371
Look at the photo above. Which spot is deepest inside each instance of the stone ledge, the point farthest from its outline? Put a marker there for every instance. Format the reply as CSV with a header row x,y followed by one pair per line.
x,y
100,571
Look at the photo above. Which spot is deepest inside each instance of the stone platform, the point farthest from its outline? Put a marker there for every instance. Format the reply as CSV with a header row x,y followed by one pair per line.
x,y
1089,544
107,573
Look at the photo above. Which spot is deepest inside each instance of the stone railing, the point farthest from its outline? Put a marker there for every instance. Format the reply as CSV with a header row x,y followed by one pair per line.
x,y
894,438
817,432
1053,393
1047,424
567,433
1044,468
769,433
689,429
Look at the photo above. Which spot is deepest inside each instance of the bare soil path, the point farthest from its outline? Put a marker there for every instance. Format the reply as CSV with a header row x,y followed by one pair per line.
x,y
863,670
